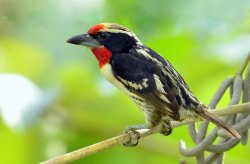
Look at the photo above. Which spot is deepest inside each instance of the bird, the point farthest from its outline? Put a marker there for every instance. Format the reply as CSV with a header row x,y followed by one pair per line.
x,y
151,81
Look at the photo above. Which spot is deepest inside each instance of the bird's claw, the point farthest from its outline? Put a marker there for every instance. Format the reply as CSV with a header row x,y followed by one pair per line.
x,y
134,135
134,138
166,128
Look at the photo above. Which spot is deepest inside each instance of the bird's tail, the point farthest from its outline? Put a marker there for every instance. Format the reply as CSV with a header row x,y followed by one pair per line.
x,y
229,130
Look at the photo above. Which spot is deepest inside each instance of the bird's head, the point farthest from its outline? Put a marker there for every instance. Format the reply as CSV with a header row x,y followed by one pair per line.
x,y
104,39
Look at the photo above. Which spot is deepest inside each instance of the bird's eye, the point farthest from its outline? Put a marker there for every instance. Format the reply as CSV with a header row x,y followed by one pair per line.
x,y
103,36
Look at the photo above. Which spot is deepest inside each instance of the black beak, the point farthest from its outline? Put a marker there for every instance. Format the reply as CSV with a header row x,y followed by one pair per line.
x,y
85,40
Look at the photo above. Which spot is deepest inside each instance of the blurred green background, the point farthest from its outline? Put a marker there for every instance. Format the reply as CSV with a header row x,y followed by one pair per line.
x,y
53,99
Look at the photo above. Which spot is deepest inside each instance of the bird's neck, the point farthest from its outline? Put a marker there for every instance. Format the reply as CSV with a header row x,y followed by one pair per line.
x,y
102,54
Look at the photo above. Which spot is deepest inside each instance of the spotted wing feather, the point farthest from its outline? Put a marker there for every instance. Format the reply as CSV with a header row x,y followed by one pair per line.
x,y
145,78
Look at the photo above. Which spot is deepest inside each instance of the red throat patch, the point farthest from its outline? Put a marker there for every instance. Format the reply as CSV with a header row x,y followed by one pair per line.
x,y
102,54
95,29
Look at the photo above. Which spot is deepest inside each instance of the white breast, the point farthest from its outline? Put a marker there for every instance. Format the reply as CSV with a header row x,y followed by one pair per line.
x,y
107,72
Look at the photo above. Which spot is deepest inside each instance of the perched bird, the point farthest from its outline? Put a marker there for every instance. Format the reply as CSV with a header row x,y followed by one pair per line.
x,y
146,77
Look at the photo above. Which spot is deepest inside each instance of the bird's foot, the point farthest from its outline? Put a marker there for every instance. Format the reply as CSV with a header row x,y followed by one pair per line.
x,y
166,128
134,135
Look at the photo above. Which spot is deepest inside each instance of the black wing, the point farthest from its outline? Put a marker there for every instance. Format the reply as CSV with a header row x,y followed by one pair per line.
x,y
145,78
178,86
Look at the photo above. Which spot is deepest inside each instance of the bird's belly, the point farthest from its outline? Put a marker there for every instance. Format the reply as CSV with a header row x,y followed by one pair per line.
x,y
187,114
144,106
151,115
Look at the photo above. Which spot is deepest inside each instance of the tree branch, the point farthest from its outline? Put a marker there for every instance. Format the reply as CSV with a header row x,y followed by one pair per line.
x,y
109,143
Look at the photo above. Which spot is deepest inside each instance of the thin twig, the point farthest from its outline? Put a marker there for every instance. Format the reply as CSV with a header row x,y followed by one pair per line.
x,y
200,147
220,159
220,91
220,148
245,98
229,110
246,87
237,89
212,157
244,65
200,158
193,131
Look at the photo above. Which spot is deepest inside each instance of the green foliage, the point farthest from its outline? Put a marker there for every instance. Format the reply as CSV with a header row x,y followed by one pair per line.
x,y
88,110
